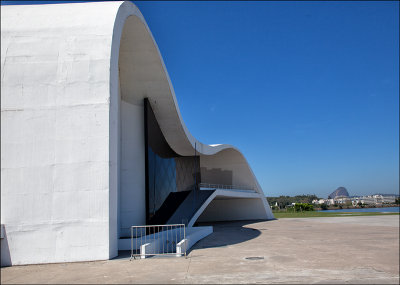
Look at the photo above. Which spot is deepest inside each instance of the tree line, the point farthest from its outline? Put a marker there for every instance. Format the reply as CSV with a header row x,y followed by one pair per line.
x,y
284,201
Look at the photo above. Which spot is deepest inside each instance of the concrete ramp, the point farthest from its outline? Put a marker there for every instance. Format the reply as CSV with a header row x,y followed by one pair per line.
x,y
194,234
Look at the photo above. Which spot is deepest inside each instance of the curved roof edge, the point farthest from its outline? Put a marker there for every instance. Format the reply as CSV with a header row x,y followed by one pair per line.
x,y
69,28
181,141
127,9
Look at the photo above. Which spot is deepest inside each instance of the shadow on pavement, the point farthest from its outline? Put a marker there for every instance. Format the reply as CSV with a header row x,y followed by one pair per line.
x,y
224,234
228,233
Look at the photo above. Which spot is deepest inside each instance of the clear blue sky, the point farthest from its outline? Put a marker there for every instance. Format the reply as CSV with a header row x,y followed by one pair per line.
x,y
308,91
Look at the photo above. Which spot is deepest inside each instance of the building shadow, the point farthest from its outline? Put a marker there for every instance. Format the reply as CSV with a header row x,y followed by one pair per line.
x,y
228,233
122,254
5,250
224,234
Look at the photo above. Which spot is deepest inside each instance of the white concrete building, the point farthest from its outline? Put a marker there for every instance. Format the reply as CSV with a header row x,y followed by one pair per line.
x,y
375,199
92,139
320,201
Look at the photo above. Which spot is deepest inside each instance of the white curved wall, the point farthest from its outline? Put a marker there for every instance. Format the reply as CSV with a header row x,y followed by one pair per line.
x,y
55,62
64,70
142,74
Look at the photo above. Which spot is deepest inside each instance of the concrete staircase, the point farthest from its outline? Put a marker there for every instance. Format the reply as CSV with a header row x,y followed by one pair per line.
x,y
167,209
189,206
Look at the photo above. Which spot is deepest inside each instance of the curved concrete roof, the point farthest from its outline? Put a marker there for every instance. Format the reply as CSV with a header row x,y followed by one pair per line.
x,y
115,32
139,57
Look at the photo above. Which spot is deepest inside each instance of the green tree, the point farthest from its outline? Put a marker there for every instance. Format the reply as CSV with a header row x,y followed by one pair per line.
x,y
324,206
284,201
303,207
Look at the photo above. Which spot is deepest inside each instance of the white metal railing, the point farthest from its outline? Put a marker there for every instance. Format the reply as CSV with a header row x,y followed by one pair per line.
x,y
158,240
223,186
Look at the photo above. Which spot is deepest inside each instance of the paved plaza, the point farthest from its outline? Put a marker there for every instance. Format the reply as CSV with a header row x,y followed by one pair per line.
x,y
308,250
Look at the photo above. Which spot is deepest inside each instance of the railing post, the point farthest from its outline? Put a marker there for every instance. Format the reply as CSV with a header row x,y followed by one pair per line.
x,y
131,243
184,237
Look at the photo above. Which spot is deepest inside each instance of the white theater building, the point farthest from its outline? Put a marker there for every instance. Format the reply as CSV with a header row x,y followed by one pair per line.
x,y
93,142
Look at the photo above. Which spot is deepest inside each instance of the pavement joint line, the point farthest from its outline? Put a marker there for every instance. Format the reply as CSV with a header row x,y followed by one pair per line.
x,y
187,270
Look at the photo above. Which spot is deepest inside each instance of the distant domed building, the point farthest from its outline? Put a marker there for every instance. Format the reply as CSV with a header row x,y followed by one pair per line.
x,y
340,192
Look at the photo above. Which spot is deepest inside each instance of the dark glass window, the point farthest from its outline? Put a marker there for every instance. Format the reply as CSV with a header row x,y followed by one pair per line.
x,y
162,180
168,175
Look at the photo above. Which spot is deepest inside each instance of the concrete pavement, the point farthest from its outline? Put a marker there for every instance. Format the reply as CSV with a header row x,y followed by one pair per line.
x,y
308,250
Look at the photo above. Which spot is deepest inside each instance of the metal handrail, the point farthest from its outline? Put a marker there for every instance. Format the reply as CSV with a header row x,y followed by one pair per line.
x,y
148,240
224,186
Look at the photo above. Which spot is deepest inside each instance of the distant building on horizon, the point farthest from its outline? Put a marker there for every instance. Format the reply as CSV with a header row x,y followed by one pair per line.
x,y
377,199
339,192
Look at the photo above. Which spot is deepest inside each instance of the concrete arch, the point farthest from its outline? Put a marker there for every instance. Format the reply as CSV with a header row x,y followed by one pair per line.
x,y
64,70
142,74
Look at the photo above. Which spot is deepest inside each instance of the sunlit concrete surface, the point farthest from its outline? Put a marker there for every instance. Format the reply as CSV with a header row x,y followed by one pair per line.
x,y
74,77
310,250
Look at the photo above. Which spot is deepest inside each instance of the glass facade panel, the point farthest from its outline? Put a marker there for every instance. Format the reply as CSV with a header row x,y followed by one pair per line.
x,y
167,173
162,180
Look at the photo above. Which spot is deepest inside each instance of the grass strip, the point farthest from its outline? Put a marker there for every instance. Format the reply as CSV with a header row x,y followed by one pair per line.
x,y
315,214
